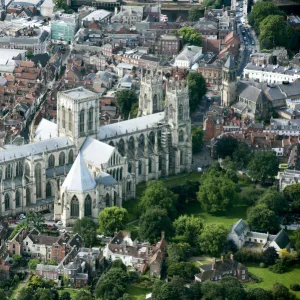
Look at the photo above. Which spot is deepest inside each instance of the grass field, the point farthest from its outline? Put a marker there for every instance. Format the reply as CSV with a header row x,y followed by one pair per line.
x,y
72,292
136,292
269,278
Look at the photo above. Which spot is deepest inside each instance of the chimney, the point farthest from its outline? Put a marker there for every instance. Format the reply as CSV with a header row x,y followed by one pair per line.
x,y
162,235
222,258
213,263
232,257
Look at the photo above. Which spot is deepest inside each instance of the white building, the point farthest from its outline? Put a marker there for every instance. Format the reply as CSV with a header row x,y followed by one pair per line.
x,y
101,16
271,73
188,56
240,234
47,8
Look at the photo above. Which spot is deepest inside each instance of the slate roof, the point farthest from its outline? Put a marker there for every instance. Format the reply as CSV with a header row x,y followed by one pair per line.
x,y
239,227
41,58
291,89
79,177
230,64
282,239
45,129
248,91
106,179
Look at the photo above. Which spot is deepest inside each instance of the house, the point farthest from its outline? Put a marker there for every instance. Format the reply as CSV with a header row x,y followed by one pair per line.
x,y
240,234
135,254
188,56
217,269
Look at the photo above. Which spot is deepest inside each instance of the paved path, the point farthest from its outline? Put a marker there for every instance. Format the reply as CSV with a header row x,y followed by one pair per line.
x,y
24,282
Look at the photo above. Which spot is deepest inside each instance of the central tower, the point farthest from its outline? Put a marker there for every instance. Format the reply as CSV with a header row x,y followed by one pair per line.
x,y
151,93
78,115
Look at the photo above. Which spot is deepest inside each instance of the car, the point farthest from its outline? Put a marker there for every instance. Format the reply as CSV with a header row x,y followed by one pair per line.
x,y
22,217
50,219
100,236
59,223
253,43
63,230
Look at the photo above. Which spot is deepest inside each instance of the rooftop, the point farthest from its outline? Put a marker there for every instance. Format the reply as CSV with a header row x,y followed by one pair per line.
x,y
97,15
79,93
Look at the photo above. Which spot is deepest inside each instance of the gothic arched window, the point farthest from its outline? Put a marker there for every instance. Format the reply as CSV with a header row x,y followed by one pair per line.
x,y
141,145
181,136
8,172
6,200
129,168
181,158
151,142
131,147
121,173
70,120
150,165
121,147
107,200
27,169
0,173
63,117
140,168
91,118
51,161
38,180
155,104
71,157
48,189
74,207
159,163
18,198
117,175
62,158
87,206
28,196
180,112
81,121
19,169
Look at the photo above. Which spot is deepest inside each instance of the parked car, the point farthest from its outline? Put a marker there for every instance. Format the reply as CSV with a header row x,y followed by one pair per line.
x,y
59,223
51,219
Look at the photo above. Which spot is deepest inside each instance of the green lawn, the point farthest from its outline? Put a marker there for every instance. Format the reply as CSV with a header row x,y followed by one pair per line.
x,y
269,278
136,292
73,292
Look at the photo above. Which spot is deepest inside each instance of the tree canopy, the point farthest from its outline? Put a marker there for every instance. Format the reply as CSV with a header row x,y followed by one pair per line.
x,y
217,193
190,36
35,219
156,194
152,223
195,13
262,219
226,146
86,228
178,252
292,194
197,138
212,238
263,165
274,200
112,219
197,89
125,100
185,270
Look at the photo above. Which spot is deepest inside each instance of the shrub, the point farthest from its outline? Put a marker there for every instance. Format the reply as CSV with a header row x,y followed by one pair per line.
x,y
295,287
262,265
279,267
254,278
247,255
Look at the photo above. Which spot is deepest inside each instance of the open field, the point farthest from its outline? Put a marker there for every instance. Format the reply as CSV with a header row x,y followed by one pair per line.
x,y
137,292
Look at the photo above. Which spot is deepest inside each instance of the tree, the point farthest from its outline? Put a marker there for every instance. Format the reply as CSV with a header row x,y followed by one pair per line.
x,y
65,295
83,295
274,201
226,146
35,219
232,288
270,256
125,100
29,53
112,219
43,294
175,289
134,111
241,156
25,293
260,11
217,194
195,13
33,263
188,226
178,252
250,195
211,291
118,264
263,165
190,36
213,238
197,89
259,294
279,267
61,4
17,258
86,228
228,164
3,294
156,194
281,292
292,194
197,138
297,238
273,32
152,223
185,270
262,219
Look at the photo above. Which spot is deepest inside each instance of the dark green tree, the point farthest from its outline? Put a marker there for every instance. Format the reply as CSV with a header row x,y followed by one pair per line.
x,y
226,146
125,100
3,294
195,13
213,238
152,223
112,219
250,195
156,194
43,294
281,292
259,294
65,295
211,291
232,288
184,270
270,256
197,138
274,201
35,219
83,295
197,89
25,293
242,155
297,239
86,228
217,194
178,252
33,263
292,194
190,36
263,165
262,219
175,289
